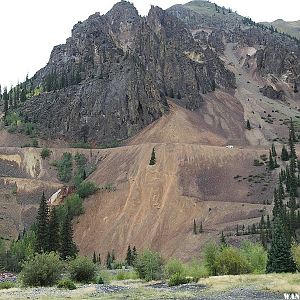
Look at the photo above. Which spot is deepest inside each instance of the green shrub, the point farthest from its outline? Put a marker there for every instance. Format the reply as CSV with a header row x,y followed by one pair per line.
x,y
126,275
117,264
66,284
64,167
211,252
177,279
42,270
148,265
86,188
45,153
7,285
173,266
73,204
81,145
196,270
34,143
296,254
256,256
82,269
103,277
230,261
99,280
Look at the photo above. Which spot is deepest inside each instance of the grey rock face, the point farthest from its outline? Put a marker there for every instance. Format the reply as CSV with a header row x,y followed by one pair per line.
x,y
111,77
269,92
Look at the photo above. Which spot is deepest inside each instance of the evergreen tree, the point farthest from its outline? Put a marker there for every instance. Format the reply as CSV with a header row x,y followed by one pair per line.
x,y
42,232
68,247
271,162
108,261
99,259
54,234
201,228
94,258
284,154
195,227
237,230
273,150
280,257
263,239
223,240
129,256
134,254
248,125
153,159
292,137
295,87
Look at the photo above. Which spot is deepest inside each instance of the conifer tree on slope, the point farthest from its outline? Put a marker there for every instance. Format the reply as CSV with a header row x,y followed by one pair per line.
x,y
54,234
42,233
68,247
280,257
129,256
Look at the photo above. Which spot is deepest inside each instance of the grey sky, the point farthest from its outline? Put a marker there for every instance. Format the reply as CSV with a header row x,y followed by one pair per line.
x,y
30,28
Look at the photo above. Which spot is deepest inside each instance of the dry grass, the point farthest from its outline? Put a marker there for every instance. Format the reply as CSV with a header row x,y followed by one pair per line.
x,y
281,283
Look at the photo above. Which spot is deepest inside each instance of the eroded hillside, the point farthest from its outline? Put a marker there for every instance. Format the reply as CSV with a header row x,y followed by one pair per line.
x,y
182,81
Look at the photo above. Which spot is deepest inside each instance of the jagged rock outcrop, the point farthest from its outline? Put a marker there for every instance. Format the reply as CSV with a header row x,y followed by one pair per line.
x,y
112,76
276,54
270,92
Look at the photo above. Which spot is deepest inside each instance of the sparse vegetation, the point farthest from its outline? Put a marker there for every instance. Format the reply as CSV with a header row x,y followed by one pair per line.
x,y
67,284
45,153
42,270
82,269
64,167
149,265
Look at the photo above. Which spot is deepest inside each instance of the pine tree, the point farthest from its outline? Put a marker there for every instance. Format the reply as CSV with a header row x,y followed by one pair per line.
x,y
237,230
223,240
271,162
54,234
273,150
129,256
201,228
42,232
280,257
248,125
295,87
263,239
68,247
195,227
94,258
292,138
134,254
99,259
108,261
153,158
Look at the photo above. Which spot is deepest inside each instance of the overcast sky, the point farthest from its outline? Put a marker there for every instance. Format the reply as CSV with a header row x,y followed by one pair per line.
x,y
30,28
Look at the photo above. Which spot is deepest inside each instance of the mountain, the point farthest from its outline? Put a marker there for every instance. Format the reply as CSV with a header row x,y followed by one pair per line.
x,y
183,81
292,28
112,76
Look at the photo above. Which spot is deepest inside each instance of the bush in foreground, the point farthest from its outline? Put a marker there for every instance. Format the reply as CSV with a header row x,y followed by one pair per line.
x,y
148,265
7,285
173,266
42,270
126,275
230,261
82,269
66,284
177,279
256,256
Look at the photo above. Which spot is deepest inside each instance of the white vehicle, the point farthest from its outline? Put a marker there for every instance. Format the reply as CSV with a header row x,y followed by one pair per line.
x,y
229,146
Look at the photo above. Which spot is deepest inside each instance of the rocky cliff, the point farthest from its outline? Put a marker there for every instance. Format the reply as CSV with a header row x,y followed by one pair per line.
x,y
112,76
